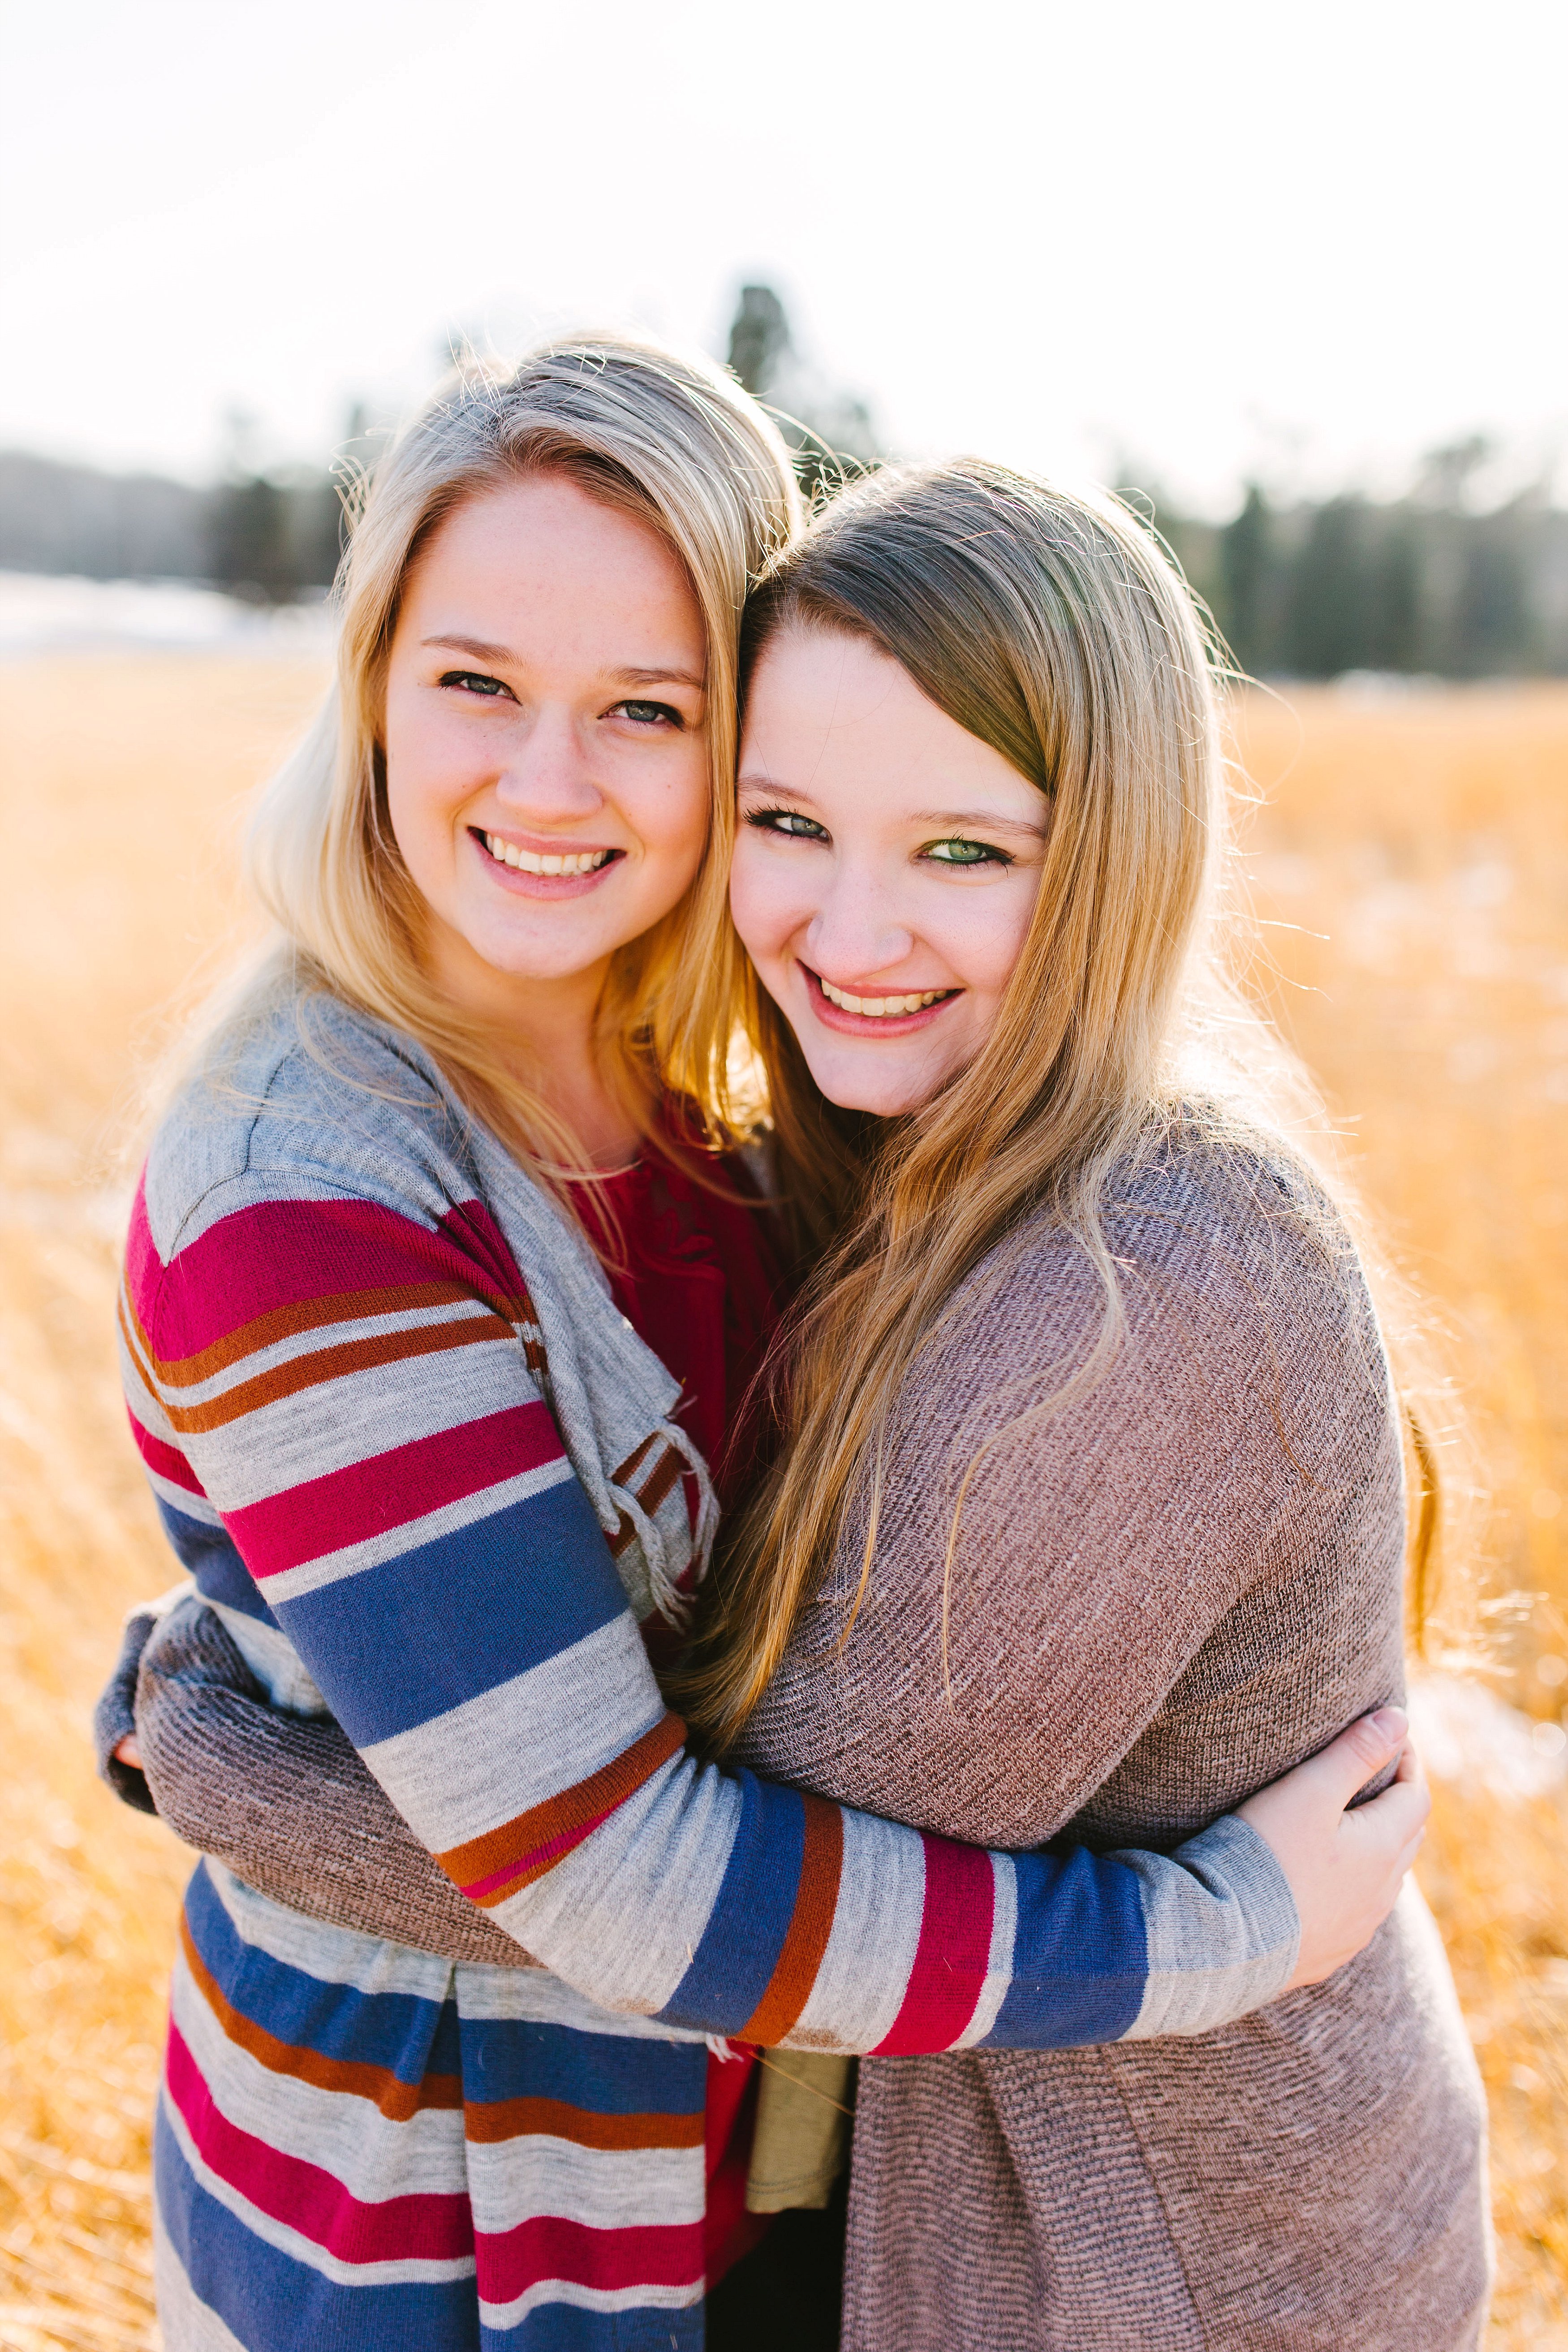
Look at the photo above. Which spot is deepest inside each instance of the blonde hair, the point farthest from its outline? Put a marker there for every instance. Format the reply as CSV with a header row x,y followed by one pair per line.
x,y
1053,628
671,440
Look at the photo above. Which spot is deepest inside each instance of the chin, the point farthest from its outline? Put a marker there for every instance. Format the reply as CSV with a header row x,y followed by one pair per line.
x,y
881,1094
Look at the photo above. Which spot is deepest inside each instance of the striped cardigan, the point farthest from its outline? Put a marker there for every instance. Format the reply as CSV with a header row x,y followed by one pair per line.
x,y
404,1444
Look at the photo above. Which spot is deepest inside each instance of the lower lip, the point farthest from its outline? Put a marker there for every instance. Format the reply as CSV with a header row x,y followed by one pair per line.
x,y
523,885
870,1024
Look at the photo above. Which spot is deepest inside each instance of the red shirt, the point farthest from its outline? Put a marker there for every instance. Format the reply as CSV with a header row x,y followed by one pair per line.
x,y
697,1277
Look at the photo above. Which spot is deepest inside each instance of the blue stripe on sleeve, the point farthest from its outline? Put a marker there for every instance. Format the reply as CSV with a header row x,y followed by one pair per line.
x,y
1080,1956
735,1959
210,1557
398,1645
410,2037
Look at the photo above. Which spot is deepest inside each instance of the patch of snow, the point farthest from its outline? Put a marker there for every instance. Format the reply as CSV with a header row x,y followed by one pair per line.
x,y
42,614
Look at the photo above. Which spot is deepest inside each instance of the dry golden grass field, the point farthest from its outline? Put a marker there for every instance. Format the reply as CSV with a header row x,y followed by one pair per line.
x,y
1413,853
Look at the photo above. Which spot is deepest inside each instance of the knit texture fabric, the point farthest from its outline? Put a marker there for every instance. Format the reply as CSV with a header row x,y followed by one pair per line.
x,y
286,1802
1167,1589
405,1445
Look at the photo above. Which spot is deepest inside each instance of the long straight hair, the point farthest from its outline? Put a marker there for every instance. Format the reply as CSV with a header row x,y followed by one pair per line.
x,y
1051,626
671,440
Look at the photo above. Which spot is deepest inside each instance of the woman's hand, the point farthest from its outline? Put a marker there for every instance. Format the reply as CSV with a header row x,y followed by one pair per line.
x,y
1345,1868
128,1751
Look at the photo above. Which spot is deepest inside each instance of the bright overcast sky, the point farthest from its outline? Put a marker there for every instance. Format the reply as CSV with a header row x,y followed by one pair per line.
x,y
1314,239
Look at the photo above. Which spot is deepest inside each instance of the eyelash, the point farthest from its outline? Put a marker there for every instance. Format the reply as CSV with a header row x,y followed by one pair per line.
x,y
491,689
783,822
661,710
989,854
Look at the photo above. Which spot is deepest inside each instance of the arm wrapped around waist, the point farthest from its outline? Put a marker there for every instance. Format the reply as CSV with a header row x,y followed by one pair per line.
x,y
114,1716
286,1802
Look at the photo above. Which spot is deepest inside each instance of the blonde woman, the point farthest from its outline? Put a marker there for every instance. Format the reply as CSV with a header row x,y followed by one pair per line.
x,y
387,1303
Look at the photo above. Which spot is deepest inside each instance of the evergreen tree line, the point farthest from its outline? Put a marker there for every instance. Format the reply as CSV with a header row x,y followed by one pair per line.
x,y
271,540
1422,584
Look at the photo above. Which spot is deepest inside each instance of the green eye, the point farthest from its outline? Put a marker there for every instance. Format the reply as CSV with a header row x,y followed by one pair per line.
x,y
965,853
789,821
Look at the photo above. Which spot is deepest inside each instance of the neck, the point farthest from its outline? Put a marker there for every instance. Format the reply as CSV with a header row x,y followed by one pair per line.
x,y
545,1028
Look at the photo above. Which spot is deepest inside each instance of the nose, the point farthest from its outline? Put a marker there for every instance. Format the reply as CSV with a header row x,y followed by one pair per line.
x,y
547,773
855,934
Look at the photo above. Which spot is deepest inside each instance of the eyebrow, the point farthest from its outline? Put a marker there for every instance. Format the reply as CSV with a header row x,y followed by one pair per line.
x,y
953,819
483,651
988,817
661,677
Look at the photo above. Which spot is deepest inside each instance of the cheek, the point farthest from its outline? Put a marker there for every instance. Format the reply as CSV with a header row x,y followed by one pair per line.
x,y
766,898
426,770
984,942
670,818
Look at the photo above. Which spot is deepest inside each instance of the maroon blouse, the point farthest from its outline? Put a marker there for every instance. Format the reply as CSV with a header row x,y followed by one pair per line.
x,y
697,1275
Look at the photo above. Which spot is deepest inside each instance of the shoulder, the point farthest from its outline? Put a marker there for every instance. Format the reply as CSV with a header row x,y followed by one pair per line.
x,y
1212,1200
1221,1245
304,1098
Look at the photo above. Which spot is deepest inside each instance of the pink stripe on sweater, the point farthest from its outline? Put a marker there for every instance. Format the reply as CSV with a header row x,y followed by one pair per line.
x,y
954,1954
425,2227
546,2247
386,1490
278,1254
551,1851
164,1459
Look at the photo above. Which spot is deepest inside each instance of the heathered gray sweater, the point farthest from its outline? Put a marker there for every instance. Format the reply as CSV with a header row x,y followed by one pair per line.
x,y
1164,1596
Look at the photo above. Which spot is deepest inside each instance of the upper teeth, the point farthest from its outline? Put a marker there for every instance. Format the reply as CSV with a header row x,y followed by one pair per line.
x,y
586,862
877,1006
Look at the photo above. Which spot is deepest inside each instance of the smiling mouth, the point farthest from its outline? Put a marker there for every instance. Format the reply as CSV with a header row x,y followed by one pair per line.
x,y
881,1008
531,861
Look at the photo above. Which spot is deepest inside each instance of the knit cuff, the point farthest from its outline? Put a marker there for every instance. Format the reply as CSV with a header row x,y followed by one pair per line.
x,y
115,1715
1222,1929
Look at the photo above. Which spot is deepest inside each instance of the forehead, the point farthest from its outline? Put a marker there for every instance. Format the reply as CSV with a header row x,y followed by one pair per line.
x,y
832,713
543,537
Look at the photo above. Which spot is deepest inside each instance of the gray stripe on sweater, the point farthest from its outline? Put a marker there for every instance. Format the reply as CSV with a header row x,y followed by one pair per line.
x,y
1240,1923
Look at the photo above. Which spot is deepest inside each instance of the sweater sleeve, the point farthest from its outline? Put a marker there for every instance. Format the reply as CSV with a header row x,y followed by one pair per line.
x,y
339,1397
285,1801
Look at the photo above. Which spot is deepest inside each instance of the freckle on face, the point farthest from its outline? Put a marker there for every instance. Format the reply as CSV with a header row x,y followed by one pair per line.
x,y
576,599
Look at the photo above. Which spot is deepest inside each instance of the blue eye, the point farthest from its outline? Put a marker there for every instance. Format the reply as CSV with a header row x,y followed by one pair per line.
x,y
965,853
648,714
790,823
474,681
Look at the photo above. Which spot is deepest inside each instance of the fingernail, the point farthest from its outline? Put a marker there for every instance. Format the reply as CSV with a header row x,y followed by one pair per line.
x,y
1391,1722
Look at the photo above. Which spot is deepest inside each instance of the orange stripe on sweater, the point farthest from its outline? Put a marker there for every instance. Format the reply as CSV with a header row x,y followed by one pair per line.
x,y
135,1340
532,1840
490,2121
324,1364
397,2100
666,1474
789,1987
300,1316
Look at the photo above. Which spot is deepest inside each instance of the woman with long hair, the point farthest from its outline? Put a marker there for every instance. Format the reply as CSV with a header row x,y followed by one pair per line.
x,y
1089,1422
448,1162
